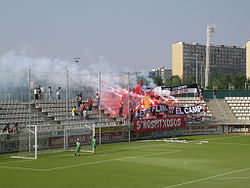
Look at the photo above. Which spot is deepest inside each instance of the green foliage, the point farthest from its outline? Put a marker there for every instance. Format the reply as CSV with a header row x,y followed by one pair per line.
x,y
189,80
173,81
158,80
222,80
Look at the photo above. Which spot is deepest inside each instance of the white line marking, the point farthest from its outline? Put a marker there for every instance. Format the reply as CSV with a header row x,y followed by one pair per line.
x,y
232,178
230,144
89,163
22,168
17,161
222,138
211,177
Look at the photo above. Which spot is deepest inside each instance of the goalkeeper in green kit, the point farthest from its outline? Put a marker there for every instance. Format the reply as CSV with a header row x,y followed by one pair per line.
x,y
93,144
78,147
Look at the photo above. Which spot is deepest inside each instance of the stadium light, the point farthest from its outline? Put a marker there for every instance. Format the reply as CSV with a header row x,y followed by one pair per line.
x,y
77,59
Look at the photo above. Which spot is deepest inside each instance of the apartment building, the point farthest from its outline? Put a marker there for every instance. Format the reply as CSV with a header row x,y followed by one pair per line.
x,y
248,59
162,72
189,59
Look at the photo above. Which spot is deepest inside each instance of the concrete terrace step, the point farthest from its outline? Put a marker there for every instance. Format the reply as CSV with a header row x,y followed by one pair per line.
x,y
220,110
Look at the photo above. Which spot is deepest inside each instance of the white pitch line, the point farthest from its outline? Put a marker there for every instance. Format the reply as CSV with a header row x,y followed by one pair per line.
x,y
232,178
207,178
226,137
23,168
18,161
89,163
230,143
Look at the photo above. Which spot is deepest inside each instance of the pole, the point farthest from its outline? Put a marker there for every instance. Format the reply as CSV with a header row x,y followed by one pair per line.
x,y
201,75
99,109
29,95
35,141
210,32
128,108
67,95
196,62
29,108
64,141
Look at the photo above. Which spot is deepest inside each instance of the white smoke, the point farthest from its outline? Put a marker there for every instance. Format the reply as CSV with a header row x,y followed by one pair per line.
x,y
47,71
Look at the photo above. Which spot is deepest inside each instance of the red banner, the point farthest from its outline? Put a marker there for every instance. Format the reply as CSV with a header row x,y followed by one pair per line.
x,y
159,124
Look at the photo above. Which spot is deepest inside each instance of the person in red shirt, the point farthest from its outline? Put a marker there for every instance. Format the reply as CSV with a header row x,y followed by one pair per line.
x,y
82,107
90,104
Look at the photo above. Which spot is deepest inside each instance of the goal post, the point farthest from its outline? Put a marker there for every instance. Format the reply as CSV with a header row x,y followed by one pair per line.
x,y
27,143
83,133
53,140
38,141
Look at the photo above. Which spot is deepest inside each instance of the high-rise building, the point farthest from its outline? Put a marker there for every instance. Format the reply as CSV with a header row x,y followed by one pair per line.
x,y
188,60
248,60
161,72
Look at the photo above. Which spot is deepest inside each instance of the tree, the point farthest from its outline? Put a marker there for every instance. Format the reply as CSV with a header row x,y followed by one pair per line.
x,y
158,80
239,80
190,80
173,81
223,81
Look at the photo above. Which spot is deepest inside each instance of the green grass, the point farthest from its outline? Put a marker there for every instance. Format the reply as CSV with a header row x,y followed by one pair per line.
x,y
223,162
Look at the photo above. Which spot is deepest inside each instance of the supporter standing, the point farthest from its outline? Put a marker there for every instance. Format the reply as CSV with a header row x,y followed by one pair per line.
x,y
82,108
214,92
90,104
39,91
131,115
50,93
97,99
36,93
121,109
58,93
78,100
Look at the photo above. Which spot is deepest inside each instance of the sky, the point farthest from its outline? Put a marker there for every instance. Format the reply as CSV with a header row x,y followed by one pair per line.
x,y
133,35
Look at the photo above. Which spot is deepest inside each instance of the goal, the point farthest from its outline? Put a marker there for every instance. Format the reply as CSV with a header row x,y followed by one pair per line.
x,y
38,141
27,143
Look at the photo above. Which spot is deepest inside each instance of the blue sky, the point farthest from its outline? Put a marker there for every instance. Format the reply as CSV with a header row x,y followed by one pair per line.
x,y
127,34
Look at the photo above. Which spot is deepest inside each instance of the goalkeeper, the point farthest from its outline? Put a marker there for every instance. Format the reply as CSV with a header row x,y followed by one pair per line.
x,y
93,144
78,147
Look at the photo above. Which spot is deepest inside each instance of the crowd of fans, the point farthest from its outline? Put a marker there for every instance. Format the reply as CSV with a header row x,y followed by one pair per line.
x,y
40,94
11,129
83,108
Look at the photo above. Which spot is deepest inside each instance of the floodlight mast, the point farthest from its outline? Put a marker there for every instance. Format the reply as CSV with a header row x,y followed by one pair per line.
x,y
210,33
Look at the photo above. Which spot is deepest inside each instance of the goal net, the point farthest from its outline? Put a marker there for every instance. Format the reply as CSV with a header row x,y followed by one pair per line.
x,y
81,133
38,141
27,143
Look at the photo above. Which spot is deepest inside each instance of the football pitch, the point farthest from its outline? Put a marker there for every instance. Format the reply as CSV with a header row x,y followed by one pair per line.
x,y
219,161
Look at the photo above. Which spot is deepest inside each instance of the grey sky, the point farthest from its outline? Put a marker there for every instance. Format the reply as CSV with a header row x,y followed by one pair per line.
x,y
134,34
